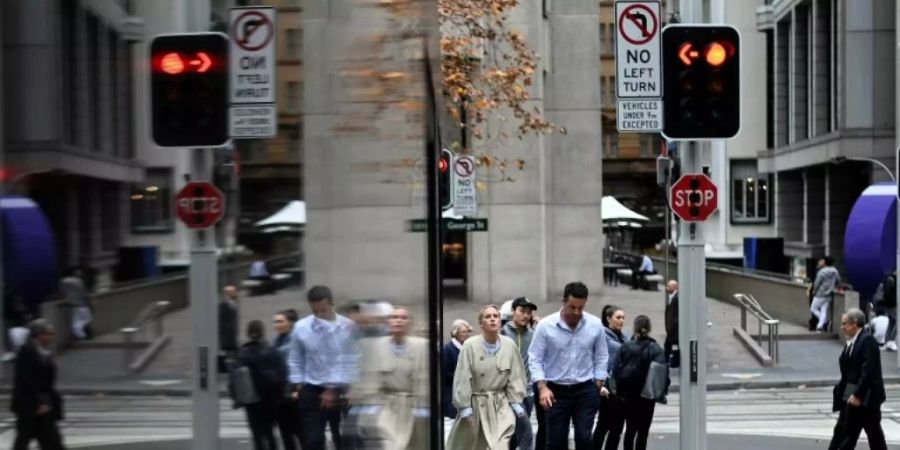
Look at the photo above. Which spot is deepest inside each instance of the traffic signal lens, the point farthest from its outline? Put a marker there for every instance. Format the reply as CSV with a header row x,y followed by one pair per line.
x,y
443,165
716,54
171,64
687,54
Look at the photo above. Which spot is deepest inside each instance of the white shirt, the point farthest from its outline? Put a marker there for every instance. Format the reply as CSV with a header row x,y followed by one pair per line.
x,y
852,341
879,325
646,264
671,296
258,269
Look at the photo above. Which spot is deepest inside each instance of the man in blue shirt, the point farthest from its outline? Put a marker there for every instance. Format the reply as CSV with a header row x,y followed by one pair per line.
x,y
639,276
568,359
322,363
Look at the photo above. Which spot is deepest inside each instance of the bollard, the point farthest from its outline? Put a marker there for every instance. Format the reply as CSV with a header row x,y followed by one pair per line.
x,y
128,354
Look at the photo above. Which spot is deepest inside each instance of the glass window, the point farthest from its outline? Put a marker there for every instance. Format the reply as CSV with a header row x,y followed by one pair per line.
x,y
292,43
151,202
749,194
293,95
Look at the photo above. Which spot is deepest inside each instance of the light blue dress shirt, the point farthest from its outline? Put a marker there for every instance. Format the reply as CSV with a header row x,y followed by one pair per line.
x,y
563,356
323,353
646,264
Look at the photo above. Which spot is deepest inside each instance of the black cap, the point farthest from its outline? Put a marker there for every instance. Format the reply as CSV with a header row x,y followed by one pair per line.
x,y
523,301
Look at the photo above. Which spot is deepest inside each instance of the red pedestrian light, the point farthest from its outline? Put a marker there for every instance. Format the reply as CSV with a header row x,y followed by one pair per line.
x,y
172,64
443,165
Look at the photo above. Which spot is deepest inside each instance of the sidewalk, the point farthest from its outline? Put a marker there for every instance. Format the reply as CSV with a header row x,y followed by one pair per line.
x,y
729,365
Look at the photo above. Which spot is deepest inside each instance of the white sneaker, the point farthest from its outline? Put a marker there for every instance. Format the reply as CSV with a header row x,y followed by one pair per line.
x,y
891,346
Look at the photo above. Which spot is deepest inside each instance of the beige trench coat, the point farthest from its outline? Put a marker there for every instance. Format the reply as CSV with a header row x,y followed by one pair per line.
x,y
395,385
488,384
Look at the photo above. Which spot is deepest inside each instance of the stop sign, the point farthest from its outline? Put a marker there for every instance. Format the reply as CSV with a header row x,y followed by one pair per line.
x,y
199,204
694,197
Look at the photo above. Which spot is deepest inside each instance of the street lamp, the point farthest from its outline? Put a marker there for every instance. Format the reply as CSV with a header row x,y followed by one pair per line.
x,y
840,159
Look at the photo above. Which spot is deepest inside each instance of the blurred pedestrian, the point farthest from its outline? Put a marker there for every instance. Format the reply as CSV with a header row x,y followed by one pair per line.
x,y
460,330
860,392
519,330
631,372
228,327
269,374
673,355
322,365
287,413
15,321
75,295
259,271
35,402
640,271
488,388
390,402
827,280
886,297
568,362
611,414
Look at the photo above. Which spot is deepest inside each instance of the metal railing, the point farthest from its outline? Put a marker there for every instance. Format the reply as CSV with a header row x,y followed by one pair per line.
x,y
151,316
749,303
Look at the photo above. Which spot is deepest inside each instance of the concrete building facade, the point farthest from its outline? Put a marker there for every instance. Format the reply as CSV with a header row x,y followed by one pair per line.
x,y
544,219
830,94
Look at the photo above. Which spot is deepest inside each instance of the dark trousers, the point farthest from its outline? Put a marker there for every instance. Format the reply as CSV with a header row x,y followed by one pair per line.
x,y
288,417
43,428
638,417
851,422
639,279
576,404
313,420
540,438
610,421
261,418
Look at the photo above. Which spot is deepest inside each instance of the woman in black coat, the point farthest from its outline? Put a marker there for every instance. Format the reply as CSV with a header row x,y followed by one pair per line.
x,y
459,332
269,374
35,402
630,373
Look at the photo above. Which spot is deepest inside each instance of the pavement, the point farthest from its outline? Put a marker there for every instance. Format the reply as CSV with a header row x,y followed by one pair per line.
x,y
811,362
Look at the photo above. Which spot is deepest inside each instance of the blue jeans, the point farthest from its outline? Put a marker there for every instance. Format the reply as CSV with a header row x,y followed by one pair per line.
x,y
576,404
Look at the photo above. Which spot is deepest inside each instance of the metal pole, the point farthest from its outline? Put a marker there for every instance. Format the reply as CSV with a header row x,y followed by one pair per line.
x,y
692,321
205,323
897,168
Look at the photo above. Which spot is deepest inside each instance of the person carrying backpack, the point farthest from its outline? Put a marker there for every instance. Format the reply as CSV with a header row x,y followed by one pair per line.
x,y
268,375
886,298
640,383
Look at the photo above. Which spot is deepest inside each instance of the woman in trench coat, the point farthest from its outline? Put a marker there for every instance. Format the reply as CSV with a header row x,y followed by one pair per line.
x,y
393,390
488,388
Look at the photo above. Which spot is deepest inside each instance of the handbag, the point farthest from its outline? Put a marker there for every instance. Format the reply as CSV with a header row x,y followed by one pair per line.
x,y
655,384
243,391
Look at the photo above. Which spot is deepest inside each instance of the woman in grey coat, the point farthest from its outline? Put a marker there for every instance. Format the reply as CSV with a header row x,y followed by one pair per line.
x,y
611,416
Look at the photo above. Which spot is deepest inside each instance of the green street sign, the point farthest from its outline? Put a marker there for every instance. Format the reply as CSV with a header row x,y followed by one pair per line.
x,y
466,225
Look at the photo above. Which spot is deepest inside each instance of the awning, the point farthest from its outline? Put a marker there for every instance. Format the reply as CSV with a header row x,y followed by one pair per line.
x,y
613,211
292,214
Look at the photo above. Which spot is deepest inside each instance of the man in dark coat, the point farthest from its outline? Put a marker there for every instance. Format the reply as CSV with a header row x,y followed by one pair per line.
x,y
35,402
672,355
228,328
860,393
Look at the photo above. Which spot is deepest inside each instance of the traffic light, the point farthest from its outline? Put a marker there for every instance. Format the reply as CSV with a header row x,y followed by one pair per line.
x,y
444,187
701,82
189,89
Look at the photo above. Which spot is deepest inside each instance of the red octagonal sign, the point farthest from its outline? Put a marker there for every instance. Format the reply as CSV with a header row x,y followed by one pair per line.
x,y
694,197
199,204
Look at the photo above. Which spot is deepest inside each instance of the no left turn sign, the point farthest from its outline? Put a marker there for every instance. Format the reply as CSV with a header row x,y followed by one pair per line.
x,y
252,30
638,66
638,24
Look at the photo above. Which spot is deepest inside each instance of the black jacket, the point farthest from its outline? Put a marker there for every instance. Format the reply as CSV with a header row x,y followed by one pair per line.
x,y
449,358
228,326
862,367
633,365
267,369
34,383
672,319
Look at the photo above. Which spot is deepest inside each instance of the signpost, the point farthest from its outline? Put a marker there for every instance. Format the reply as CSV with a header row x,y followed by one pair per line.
x,y
638,67
252,32
465,202
694,197
199,204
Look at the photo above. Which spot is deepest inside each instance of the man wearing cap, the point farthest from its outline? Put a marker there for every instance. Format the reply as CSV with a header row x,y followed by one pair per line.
x,y
519,330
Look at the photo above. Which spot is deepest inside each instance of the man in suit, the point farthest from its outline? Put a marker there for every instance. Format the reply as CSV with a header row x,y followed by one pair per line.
x,y
671,345
35,401
860,393
228,328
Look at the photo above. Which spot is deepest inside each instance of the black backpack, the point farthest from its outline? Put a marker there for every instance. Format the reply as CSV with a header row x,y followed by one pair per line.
x,y
632,364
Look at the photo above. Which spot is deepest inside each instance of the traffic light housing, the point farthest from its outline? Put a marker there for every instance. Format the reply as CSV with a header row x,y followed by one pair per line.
x,y
189,89
701,82
444,187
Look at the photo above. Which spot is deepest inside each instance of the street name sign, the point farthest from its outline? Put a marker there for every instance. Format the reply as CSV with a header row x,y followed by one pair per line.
x,y
252,33
199,204
468,224
465,202
694,197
